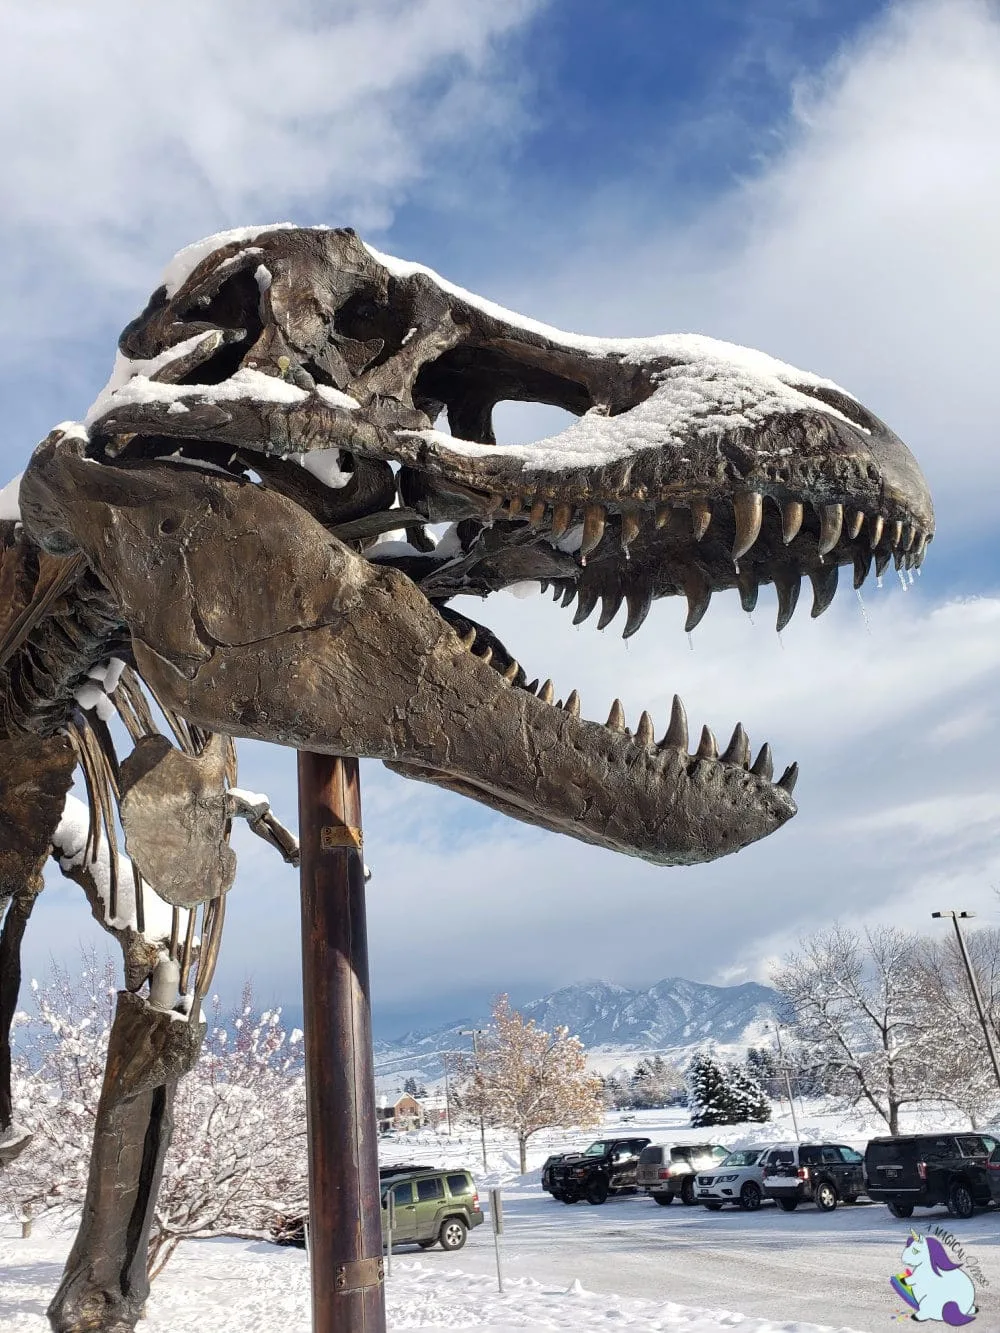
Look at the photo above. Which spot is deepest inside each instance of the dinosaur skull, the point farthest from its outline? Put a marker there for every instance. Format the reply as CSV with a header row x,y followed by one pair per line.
x,y
309,361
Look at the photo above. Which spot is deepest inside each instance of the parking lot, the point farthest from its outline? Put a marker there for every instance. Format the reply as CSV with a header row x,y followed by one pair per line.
x,y
822,1268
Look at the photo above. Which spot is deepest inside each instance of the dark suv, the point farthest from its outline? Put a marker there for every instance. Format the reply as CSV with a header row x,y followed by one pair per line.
x,y
667,1170
608,1166
821,1173
922,1170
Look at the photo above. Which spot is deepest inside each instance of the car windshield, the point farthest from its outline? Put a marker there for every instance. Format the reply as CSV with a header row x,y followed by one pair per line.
x,y
596,1149
748,1157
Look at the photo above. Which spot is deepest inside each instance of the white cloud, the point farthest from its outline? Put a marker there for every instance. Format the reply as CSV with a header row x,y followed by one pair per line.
x,y
131,129
863,247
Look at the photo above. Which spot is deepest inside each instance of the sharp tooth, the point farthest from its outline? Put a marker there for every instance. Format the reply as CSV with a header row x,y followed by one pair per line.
x,y
562,517
701,516
875,530
572,704
616,718
909,537
895,531
511,670
789,778
787,583
587,600
749,586
792,514
748,507
698,591
594,519
830,526
898,557
468,639
824,584
677,731
882,558
854,524
644,731
543,585
639,601
532,686
558,588
707,747
630,529
763,766
663,516
569,592
610,602
487,657
862,567
738,749
515,507
547,692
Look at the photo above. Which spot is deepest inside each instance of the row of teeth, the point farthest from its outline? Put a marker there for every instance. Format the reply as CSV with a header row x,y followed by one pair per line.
x,y
895,535
737,752
698,591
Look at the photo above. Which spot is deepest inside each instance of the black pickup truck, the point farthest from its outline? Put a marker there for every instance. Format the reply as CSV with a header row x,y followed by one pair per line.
x,y
608,1166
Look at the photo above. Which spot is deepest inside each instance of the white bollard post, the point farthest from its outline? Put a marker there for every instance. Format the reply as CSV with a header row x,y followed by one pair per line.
x,y
390,1214
496,1216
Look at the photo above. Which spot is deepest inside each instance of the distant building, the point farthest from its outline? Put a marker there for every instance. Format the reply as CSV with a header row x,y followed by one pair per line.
x,y
408,1113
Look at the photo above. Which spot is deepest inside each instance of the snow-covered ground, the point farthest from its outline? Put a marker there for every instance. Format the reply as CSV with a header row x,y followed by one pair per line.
x,y
628,1264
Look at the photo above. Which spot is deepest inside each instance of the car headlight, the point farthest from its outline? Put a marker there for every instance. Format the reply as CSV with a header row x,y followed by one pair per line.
x,y
721,1179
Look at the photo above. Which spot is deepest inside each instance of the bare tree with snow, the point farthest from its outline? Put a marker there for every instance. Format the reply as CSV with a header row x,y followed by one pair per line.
x,y
238,1155
526,1079
859,1018
958,1068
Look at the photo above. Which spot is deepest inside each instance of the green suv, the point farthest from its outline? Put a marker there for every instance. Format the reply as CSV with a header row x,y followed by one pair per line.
x,y
431,1207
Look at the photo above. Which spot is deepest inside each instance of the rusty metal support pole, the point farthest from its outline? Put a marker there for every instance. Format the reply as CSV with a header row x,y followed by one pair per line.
x,y
345,1234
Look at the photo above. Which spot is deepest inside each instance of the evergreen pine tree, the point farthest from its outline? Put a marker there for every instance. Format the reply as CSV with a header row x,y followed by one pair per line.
x,y
709,1096
749,1100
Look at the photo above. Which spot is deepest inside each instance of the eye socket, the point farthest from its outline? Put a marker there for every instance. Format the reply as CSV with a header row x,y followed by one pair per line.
x,y
168,525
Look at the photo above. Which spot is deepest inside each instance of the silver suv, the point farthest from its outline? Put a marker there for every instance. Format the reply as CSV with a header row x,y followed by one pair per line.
x,y
738,1178
667,1170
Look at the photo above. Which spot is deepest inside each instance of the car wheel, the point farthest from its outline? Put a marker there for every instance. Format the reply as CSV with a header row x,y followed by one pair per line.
x,y
597,1190
900,1209
750,1197
687,1192
557,1195
789,1205
826,1197
427,1244
453,1234
960,1200
663,1199
714,1207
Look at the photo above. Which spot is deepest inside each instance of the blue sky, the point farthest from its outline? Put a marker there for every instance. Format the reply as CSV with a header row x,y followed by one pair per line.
x,y
818,178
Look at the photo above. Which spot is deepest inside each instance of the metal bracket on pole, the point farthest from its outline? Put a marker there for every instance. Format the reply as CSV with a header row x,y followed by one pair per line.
x,y
358,1275
340,835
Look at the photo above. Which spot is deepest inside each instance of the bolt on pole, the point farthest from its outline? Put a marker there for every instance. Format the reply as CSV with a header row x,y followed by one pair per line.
x,y
345,1216
974,986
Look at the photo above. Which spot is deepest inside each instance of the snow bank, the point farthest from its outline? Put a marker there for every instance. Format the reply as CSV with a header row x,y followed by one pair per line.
x,y
231,1286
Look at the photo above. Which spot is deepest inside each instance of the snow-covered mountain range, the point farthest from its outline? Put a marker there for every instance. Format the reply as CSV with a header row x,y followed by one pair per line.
x,y
617,1025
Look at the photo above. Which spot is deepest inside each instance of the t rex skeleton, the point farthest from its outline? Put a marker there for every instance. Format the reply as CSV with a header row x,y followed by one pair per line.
x,y
216,527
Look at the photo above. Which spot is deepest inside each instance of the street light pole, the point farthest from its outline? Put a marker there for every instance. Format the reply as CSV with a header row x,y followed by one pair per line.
x,y
973,985
475,1033
788,1082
